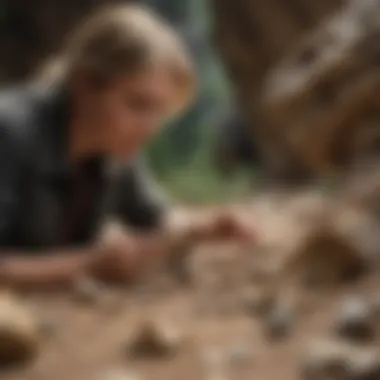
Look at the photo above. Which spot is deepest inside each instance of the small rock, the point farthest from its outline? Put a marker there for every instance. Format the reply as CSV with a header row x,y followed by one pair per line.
x,y
365,367
20,337
325,360
87,291
255,302
153,340
279,320
356,320
340,361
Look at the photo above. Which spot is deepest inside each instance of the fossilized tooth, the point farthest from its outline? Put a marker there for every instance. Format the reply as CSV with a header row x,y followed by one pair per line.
x,y
152,339
20,336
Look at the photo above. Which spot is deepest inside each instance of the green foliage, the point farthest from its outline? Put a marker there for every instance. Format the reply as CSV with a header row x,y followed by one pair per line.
x,y
181,157
198,181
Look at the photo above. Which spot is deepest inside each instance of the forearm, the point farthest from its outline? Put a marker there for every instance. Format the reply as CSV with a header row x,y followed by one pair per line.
x,y
55,269
171,239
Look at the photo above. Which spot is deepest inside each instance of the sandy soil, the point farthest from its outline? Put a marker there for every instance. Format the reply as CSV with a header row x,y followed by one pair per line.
x,y
91,340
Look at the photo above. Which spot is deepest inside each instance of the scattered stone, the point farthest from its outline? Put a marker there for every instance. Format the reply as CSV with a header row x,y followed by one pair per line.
x,y
20,337
153,340
325,360
340,361
279,320
256,302
324,259
356,320
365,367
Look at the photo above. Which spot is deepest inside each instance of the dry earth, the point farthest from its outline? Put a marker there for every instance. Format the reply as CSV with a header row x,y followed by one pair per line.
x,y
227,326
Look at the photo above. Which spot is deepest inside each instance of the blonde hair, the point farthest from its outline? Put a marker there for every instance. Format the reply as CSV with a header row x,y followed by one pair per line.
x,y
125,39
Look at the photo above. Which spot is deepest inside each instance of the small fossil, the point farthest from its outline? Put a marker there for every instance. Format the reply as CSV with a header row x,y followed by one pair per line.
x,y
154,340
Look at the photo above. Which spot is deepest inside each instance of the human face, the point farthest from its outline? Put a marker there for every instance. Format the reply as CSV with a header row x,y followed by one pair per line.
x,y
128,111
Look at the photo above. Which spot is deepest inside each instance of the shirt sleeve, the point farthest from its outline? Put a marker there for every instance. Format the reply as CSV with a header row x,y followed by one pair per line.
x,y
11,166
137,199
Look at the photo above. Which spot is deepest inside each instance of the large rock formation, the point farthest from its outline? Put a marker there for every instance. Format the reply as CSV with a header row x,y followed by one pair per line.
x,y
310,78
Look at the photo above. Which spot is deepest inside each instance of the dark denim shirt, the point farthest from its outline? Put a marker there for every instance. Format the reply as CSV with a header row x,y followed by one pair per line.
x,y
36,179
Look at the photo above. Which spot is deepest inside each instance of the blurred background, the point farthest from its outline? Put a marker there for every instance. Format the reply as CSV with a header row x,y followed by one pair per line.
x,y
182,158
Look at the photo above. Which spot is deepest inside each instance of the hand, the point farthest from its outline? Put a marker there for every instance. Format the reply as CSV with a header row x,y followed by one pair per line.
x,y
117,259
227,225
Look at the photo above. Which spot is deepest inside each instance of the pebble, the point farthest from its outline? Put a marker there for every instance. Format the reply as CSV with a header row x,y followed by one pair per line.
x,y
339,361
356,320
255,302
20,337
365,367
279,320
325,360
153,340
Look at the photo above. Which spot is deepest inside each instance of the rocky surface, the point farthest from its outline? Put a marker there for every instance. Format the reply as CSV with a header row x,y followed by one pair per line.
x,y
356,320
247,314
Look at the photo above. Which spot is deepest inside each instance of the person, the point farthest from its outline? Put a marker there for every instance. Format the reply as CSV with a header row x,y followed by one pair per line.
x,y
69,156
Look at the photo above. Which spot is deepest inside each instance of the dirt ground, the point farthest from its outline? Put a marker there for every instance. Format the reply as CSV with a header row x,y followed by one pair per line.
x,y
220,339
